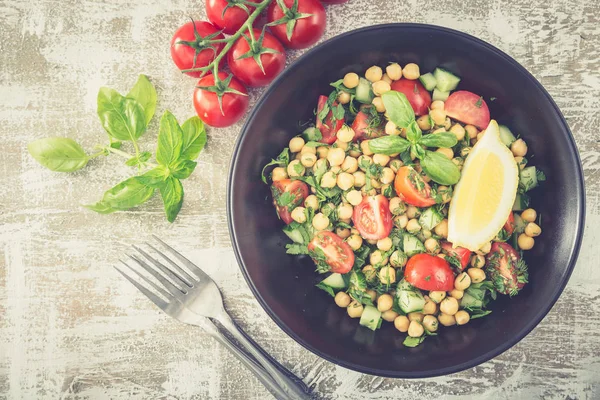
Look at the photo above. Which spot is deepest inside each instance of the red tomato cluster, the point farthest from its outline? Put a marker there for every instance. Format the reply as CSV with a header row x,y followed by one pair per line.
x,y
254,56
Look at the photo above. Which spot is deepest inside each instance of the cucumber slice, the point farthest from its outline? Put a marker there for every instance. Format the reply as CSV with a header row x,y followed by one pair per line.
x,y
439,95
446,81
410,299
312,134
521,202
335,281
297,232
430,218
428,81
370,318
470,301
528,178
519,223
364,94
412,245
506,136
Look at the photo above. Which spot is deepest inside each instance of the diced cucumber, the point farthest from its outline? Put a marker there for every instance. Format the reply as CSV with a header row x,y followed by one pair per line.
x,y
335,281
428,81
506,136
519,223
412,245
364,93
446,81
470,301
528,178
297,232
430,218
439,95
312,134
410,299
521,202
370,318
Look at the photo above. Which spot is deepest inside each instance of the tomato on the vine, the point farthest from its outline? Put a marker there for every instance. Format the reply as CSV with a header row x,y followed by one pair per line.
x,y
411,187
256,60
191,46
228,15
222,103
300,24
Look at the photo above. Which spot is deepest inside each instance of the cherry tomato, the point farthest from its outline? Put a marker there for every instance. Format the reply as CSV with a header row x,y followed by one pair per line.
x,y
412,188
362,127
428,272
468,108
372,217
509,226
286,203
502,268
247,69
206,102
329,126
232,19
306,31
189,44
418,97
338,254
460,253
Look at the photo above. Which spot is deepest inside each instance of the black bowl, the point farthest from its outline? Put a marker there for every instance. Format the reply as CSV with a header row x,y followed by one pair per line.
x,y
284,285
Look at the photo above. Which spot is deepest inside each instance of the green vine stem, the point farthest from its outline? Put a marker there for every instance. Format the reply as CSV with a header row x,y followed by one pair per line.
x,y
107,149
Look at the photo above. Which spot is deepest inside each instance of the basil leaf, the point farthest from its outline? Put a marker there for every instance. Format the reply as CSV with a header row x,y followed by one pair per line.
x,y
171,192
439,168
101,208
121,117
413,132
144,93
170,140
418,150
388,145
58,154
155,177
140,160
183,168
442,139
194,138
125,195
398,109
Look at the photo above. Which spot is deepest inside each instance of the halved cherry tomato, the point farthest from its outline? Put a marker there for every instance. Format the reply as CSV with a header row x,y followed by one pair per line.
x,y
309,21
509,226
206,102
362,127
338,254
463,255
412,188
229,16
428,272
189,49
285,203
329,125
372,217
502,269
418,97
468,108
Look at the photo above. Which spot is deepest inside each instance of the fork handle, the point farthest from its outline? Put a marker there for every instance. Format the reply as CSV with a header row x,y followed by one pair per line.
x,y
294,387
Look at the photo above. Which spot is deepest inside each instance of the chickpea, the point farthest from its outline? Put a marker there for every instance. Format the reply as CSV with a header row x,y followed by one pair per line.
x,y
424,122
462,317
401,323
446,320
355,309
397,206
398,259
375,183
370,272
519,148
449,306
529,215
477,275
278,174
459,162
437,105
298,214
532,229
381,159
343,98
296,144
374,73
430,323
372,294
457,294
321,165
295,168
471,131
345,180
521,162
353,151
320,222
377,257
385,302
351,80
415,316
415,329
342,232
384,244
386,78
477,261
345,134
389,315
464,152
412,211
322,152
378,103
437,296
485,248
413,226
441,229
380,87
429,308
342,299
336,156
447,123
525,242
350,165
391,129
446,151
354,197
438,116
308,160
411,71
308,149
462,281
387,176
394,71
328,180
439,130
344,211
355,242
458,131
366,150
311,202
401,221
341,145
432,245
387,275
360,179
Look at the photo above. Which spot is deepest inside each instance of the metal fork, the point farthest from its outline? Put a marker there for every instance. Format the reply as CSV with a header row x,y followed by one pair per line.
x,y
193,299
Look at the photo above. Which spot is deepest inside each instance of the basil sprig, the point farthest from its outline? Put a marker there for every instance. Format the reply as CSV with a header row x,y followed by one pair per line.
x,y
437,166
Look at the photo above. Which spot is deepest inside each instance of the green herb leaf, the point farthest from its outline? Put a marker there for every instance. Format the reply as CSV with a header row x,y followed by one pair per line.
x,y
398,108
154,177
183,169
439,168
58,154
171,192
326,288
388,145
122,118
442,139
413,133
478,313
125,195
194,138
282,160
413,341
170,140
101,208
339,112
140,160
144,93
296,249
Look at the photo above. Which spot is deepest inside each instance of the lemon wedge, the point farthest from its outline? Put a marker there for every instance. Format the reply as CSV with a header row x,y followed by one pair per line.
x,y
484,195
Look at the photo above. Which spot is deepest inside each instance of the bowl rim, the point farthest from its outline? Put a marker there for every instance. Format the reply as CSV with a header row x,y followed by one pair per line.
x,y
507,344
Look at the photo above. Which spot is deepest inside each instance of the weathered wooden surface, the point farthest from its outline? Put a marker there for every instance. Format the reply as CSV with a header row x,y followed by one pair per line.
x,y
71,328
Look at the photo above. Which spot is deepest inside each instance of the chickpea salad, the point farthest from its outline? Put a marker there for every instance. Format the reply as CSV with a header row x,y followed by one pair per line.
x,y
393,166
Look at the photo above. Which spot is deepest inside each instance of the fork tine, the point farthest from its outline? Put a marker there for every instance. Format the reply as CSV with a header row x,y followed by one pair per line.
x,y
193,267
160,290
160,303
174,290
165,270
184,274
